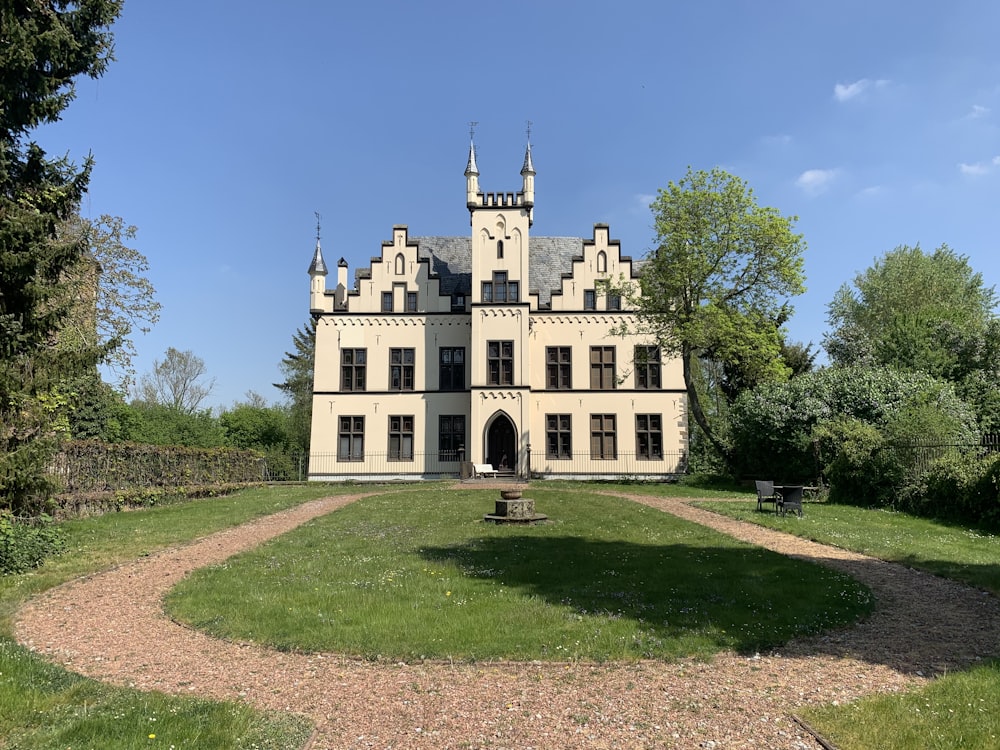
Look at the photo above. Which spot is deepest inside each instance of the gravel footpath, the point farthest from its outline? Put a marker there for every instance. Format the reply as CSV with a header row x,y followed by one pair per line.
x,y
111,626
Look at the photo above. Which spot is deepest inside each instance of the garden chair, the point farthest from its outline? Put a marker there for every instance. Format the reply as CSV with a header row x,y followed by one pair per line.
x,y
791,499
766,494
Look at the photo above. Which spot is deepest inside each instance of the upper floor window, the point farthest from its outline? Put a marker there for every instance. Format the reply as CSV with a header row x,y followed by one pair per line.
x,y
500,363
352,369
386,301
411,302
457,301
589,299
401,369
452,371
501,290
400,265
647,368
602,368
558,367
499,248
602,262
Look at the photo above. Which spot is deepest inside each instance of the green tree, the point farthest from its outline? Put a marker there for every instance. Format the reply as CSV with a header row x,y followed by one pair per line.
x,y
922,312
179,381
297,367
46,44
717,284
159,424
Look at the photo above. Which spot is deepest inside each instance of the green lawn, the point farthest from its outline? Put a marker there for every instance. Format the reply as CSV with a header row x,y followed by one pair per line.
x,y
957,711
420,575
44,707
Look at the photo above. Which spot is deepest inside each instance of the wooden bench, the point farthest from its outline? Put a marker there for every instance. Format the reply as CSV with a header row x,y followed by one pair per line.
x,y
483,470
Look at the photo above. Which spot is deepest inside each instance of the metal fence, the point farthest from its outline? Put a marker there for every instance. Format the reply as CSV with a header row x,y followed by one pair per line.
x,y
388,466
919,455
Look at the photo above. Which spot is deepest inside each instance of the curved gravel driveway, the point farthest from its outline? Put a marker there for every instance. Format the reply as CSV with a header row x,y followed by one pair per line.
x,y
110,626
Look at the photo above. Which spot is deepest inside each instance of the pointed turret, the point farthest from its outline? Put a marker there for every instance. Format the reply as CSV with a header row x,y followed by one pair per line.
x,y
472,177
528,177
317,278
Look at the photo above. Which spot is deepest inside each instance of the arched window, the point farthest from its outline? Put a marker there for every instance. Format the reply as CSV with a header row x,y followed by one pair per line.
x,y
499,248
602,262
400,265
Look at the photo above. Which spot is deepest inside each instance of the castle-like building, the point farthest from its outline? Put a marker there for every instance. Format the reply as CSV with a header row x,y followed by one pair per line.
x,y
495,348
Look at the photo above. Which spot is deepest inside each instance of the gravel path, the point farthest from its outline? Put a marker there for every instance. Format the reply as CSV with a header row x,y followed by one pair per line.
x,y
111,626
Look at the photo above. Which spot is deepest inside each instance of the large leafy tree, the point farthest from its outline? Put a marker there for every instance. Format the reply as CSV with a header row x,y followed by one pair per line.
x,y
297,367
716,286
922,312
46,44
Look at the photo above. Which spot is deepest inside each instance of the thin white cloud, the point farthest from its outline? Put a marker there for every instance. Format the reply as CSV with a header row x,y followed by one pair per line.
x,y
815,181
641,202
979,168
871,191
978,111
779,139
844,92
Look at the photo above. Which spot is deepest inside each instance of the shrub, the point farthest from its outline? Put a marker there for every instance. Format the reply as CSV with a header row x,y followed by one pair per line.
x,y
25,544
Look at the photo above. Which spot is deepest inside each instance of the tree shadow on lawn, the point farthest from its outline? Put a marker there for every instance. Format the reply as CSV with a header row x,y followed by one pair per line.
x,y
681,596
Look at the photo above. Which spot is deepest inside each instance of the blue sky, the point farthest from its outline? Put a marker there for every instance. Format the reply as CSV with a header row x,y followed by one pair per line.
x,y
223,126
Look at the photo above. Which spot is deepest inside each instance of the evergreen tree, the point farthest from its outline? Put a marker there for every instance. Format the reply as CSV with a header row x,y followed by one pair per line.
x,y
46,44
297,367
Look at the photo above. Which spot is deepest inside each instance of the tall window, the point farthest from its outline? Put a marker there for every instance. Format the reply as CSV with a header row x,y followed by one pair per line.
x,y
602,368
558,367
499,248
612,299
352,369
558,441
411,302
647,368
500,363
649,436
386,301
401,369
351,442
451,431
452,372
500,289
589,299
400,439
603,440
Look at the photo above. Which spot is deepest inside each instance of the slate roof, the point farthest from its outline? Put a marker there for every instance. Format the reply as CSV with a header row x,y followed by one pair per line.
x,y
548,259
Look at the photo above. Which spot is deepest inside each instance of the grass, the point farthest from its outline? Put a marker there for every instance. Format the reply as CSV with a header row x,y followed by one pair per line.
x,y
44,707
954,552
420,575
956,711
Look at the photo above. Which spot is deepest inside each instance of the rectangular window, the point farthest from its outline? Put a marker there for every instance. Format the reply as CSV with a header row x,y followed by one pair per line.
x,y
589,299
614,301
649,436
351,442
386,301
603,441
647,368
602,368
558,368
411,302
352,369
451,431
400,439
401,369
452,372
457,302
500,289
558,443
499,362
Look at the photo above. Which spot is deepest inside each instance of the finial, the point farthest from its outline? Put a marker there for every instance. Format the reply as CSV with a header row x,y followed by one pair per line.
x,y
472,129
529,131
318,218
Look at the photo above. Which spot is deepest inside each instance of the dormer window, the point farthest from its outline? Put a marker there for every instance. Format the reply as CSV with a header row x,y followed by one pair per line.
x,y
457,301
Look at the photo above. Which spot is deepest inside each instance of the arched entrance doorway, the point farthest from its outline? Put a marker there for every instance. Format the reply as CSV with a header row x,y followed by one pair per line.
x,y
501,443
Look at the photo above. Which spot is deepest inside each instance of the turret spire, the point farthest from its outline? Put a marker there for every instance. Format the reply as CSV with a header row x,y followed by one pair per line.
x,y
318,266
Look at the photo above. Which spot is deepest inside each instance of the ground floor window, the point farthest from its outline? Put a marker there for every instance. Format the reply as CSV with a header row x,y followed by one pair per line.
x,y
558,443
451,432
603,436
649,436
400,438
351,442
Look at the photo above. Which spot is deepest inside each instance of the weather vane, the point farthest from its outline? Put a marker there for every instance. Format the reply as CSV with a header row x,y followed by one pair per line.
x,y
529,131
472,129
318,217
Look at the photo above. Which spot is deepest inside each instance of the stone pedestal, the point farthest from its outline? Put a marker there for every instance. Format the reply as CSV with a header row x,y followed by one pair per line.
x,y
512,508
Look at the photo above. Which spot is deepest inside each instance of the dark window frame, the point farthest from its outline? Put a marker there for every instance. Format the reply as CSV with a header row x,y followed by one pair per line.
x,y
351,428
352,371
400,430
402,366
603,437
451,368
558,368
603,368
499,363
648,368
559,437
451,436
649,437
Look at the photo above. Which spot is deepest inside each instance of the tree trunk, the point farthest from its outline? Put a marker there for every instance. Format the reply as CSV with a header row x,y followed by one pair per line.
x,y
698,412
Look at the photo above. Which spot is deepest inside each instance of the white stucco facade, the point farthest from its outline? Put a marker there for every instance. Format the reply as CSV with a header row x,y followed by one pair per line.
x,y
492,348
